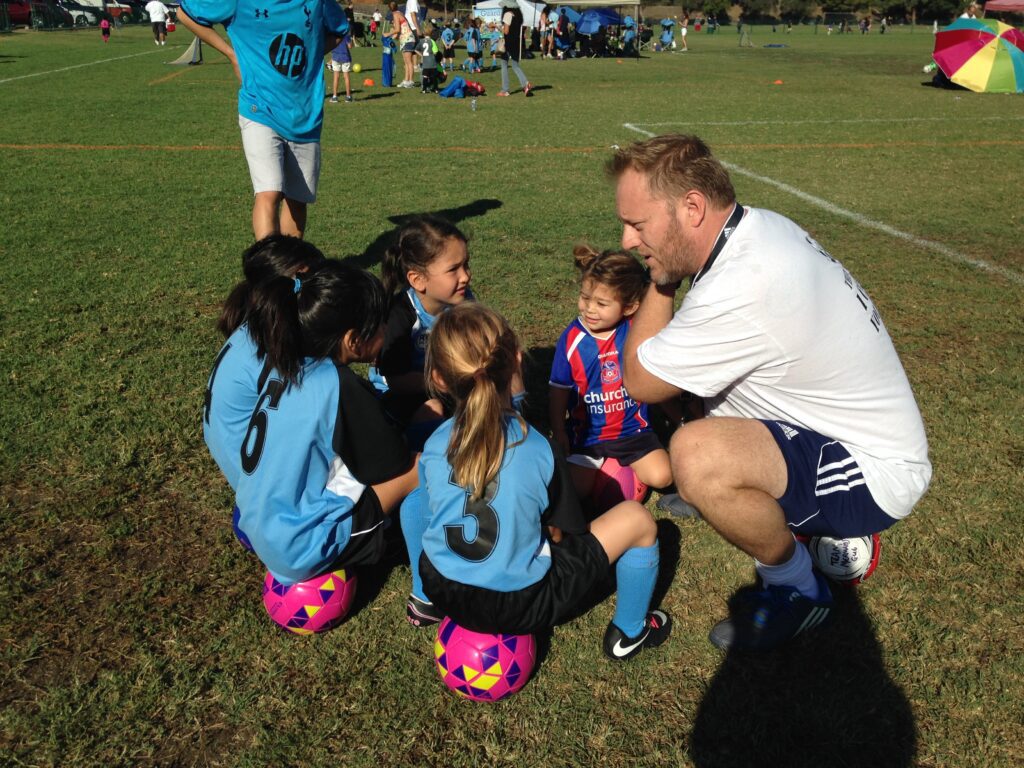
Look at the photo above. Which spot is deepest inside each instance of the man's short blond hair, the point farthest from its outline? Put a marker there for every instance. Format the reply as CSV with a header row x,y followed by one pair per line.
x,y
674,165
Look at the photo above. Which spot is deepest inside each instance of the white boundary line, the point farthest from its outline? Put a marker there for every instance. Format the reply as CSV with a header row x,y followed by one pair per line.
x,y
864,221
855,121
76,66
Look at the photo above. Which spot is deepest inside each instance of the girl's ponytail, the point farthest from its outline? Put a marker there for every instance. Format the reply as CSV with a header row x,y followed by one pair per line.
x,y
475,353
265,300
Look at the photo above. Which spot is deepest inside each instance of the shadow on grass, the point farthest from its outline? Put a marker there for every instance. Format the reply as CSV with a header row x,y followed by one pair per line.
x,y
375,251
824,699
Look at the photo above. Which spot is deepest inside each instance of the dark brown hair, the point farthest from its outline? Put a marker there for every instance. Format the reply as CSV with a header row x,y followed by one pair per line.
x,y
618,270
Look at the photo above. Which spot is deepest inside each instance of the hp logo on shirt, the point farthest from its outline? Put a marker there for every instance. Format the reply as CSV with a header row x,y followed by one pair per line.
x,y
288,55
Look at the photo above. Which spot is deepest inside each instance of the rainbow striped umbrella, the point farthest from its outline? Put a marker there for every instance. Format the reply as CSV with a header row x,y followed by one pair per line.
x,y
984,55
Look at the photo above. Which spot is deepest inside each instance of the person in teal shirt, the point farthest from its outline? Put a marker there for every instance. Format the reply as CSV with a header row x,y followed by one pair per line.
x,y
277,48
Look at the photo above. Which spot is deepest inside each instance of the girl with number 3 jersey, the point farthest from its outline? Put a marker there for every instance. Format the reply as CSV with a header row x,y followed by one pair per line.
x,y
491,486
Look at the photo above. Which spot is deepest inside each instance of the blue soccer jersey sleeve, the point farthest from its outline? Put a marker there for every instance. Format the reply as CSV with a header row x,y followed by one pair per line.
x,y
280,49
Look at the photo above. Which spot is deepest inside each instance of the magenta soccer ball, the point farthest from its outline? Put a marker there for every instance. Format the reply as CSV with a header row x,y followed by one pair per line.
x,y
480,666
310,606
614,484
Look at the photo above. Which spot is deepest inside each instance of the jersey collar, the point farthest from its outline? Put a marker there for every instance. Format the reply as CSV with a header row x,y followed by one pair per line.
x,y
723,237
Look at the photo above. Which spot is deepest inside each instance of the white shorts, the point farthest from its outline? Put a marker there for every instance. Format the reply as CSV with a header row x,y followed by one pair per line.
x,y
279,165
340,66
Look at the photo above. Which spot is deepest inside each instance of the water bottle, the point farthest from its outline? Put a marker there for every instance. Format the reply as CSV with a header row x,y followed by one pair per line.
x,y
472,103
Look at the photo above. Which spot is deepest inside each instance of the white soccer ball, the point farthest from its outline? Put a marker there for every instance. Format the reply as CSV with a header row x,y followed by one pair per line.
x,y
844,560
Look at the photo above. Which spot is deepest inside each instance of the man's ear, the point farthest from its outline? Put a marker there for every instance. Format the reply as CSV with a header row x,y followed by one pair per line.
x,y
691,209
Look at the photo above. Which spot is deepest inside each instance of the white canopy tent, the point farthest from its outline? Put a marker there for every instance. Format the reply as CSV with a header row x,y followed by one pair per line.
x,y
532,18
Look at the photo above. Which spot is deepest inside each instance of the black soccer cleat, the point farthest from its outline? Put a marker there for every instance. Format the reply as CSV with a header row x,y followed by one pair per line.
x,y
619,647
421,613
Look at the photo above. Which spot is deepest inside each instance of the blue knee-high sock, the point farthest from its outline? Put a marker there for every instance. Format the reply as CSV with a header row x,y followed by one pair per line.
x,y
636,572
415,516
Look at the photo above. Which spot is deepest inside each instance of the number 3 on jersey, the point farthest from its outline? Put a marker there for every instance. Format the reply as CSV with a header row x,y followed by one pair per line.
x,y
256,434
481,546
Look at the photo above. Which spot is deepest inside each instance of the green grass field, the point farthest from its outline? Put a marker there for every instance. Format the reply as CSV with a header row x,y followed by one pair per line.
x,y
131,628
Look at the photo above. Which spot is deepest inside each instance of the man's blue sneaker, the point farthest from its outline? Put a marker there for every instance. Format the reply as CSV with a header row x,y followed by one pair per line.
x,y
767,619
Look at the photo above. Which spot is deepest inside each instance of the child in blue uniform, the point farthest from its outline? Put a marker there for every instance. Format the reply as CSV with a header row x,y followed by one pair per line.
x,y
321,463
491,486
249,313
425,273
278,51
586,377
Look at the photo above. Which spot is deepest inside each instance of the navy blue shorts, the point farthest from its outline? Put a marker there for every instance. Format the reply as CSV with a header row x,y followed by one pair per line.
x,y
825,490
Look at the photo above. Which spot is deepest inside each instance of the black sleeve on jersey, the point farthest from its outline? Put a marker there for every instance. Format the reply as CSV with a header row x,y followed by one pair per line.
x,y
396,353
371,446
564,509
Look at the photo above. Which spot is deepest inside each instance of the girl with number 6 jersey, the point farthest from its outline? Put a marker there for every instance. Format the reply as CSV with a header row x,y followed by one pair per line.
x,y
320,463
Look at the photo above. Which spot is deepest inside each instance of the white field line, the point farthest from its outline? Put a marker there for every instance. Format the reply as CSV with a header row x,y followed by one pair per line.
x,y
87,64
854,121
864,221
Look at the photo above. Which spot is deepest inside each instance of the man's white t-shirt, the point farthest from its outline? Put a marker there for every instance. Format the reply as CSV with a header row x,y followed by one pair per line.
x,y
777,329
157,11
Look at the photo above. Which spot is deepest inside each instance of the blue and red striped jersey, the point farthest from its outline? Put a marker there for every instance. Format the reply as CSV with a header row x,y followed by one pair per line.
x,y
600,410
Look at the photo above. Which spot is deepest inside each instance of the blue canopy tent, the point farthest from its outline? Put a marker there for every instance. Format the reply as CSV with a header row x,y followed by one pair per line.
x,y
592,20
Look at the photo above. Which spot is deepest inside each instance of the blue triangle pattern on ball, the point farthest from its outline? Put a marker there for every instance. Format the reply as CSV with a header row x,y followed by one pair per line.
x,y
510,642
490,656
278,588
446,633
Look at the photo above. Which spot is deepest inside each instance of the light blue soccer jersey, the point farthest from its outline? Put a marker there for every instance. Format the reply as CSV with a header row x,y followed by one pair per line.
x,y
308,455
498,541
280,50
231,394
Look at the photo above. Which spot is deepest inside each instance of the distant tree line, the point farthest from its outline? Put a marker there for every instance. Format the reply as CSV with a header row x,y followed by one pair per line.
x,y
807,10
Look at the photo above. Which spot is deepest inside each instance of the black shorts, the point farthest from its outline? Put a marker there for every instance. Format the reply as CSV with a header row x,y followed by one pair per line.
x,y
577,565
475,55
625,450
159,28
366,544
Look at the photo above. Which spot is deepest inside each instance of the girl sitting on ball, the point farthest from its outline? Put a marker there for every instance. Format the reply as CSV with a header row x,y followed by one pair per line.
x,y
321,463
491,490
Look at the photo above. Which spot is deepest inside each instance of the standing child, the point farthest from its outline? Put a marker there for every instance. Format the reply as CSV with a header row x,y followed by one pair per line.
x,y
387,59
586,377
474,46
427,49
491,489
105,29
322,466
448,42
278,56
425,273
341,62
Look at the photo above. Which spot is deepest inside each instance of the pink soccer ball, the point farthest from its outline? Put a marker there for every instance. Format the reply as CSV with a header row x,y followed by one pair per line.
x,y
614,484
311,606
480,666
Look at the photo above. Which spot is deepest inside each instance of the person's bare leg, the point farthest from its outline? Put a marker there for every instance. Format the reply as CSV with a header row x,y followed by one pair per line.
x,y
293,218
265,214
623,527
732,471
653,470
